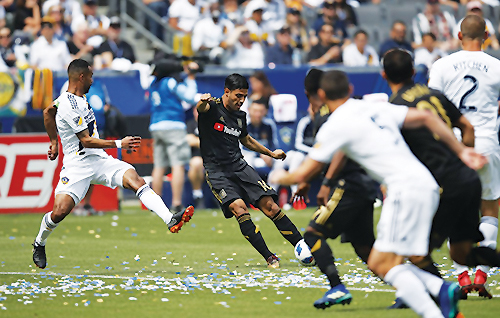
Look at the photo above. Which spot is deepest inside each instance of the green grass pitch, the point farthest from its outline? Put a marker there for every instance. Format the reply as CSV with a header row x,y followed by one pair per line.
x,y
127,264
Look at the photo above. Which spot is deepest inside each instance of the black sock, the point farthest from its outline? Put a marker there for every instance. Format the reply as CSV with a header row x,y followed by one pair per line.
x,y
253,235
427,264
323,256
287,228
483,256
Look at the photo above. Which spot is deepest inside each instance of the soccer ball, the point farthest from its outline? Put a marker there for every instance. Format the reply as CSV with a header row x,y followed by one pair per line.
x,y
303,254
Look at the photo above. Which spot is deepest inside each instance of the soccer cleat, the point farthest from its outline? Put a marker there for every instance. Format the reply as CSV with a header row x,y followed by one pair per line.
x,y
398,304
480,284
337,295
465,284
448,298
178,219
39,257
273,261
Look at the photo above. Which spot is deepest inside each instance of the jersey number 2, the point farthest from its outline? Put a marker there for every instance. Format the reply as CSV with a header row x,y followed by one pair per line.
x,y
462,105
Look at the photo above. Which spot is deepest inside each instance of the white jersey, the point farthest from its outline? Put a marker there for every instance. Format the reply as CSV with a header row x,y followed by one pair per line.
x,y
471,80
369,133
74,115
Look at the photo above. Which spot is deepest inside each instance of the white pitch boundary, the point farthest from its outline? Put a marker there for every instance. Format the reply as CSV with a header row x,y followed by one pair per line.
x,y
366,289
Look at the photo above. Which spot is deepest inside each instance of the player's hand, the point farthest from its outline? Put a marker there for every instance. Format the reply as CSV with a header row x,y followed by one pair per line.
x,y
277,175
53,151
205,98
301,193
278,154
323,195
473,159
131,142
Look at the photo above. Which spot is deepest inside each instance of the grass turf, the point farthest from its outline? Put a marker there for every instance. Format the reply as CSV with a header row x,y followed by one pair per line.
x,y
128,264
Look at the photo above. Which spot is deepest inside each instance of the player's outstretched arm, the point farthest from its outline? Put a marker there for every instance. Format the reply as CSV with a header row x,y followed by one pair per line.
x,y
419,118
304,173
254,145
467,131
203,105
126,143
49,121
336,165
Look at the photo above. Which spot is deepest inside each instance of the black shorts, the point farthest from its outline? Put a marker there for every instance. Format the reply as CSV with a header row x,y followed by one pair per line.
x,y
457,216
352,217
246,184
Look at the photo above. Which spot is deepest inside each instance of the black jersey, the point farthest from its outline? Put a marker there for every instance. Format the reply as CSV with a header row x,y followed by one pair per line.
x,y
220,133
444,164
354,177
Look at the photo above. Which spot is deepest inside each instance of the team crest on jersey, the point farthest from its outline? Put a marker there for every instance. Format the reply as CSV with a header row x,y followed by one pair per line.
x,y
240,123
78,120
222,194
64,180
222,119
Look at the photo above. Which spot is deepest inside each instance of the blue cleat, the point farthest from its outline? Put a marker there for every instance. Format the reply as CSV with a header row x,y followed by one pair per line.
x,y
398,304
448,298
337,295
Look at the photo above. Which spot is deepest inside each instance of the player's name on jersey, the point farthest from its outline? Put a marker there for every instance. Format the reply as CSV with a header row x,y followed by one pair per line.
x,y
470,65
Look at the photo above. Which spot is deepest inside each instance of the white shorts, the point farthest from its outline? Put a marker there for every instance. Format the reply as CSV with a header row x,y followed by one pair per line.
x,y
490,173
77,175
405,223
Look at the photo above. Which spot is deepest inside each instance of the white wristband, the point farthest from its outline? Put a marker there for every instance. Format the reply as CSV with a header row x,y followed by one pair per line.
x,y
118,143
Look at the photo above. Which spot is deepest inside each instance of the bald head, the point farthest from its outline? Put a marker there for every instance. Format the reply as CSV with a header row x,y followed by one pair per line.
x,y
473,27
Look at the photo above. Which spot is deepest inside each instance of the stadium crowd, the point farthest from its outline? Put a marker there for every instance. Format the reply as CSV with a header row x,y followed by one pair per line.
x,y
263,33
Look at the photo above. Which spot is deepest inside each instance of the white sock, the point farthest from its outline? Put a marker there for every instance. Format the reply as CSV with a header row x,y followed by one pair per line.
x,y
489,228
46,227
197,194
459,268
412,291
431,282
153,202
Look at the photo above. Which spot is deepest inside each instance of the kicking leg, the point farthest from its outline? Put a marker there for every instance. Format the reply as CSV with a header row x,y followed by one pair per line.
x,y
282,222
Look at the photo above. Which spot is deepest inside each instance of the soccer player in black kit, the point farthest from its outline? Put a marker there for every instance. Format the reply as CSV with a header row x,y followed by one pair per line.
x,y
222,126
457,217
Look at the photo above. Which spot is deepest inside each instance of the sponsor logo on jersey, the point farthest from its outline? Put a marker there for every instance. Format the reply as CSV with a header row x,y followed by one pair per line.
x,y
229,131
64,180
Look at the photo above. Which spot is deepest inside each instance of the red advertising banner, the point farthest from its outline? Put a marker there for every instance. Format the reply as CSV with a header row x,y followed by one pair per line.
x,y
28,178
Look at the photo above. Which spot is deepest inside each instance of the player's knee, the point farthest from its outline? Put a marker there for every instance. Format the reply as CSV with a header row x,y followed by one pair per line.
x,y
132,181
238,208
311,237
196,163
61,210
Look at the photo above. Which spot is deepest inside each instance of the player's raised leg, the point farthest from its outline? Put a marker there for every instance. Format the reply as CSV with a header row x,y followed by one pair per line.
x,y
280,219
132,181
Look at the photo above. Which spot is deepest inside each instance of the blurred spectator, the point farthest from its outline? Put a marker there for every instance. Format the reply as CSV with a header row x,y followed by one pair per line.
x,y
27,17
298,30
329,17
2,16
360,53
259,29
72,8
265,132
78,46
261,88
428,53
281,52
196,174
62,30
183,14
476,8
47,51
210,33
232,11
243,51
6,47
437,22
326,51
397,39
97,23
345,12
275,14
113,48
168,126
160,7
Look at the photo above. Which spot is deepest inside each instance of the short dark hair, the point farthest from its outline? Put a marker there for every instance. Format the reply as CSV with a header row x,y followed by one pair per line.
x,y
433,37
312,81
361,31
77,67
398,66
335,84
473,27
235,81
